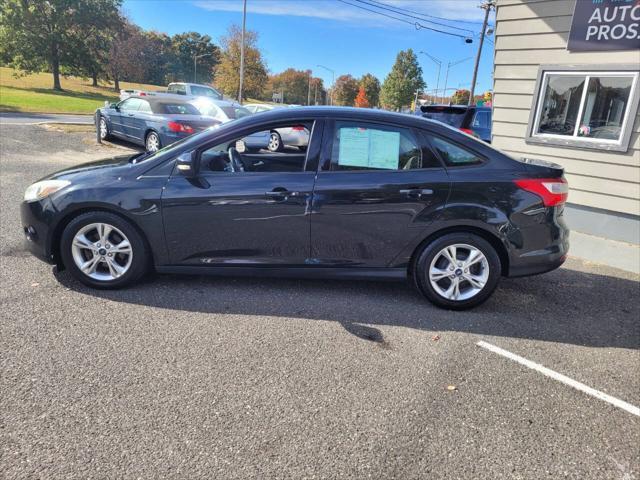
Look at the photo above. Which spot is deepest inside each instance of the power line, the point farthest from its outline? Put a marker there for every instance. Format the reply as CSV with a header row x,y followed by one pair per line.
x,y
396,10
417,25
426,15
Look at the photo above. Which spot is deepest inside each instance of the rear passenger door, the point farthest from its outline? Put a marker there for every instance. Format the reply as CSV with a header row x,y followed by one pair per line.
x,y
377,190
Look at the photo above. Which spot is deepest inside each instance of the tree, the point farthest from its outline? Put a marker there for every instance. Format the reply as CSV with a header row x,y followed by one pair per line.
x,y
345,90
188,45
399,88
48,35
126,56
298,86
227,74
460,97
361,100
371,89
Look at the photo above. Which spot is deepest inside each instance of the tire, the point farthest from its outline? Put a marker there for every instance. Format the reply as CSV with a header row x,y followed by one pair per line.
x,y
152,142
437,281
275,142
103,128
107,268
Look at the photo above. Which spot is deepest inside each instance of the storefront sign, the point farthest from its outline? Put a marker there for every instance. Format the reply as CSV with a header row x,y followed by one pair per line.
x,y
605,25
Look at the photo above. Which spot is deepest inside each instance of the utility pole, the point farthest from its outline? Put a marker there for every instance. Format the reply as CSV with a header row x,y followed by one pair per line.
x,y
333,82
439,63
446,78
309,90
487,6
244,21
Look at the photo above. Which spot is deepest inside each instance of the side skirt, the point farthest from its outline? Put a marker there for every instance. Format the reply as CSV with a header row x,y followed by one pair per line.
x,y
363,273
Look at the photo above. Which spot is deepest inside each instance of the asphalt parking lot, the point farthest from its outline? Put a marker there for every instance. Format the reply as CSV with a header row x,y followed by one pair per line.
x,y
193,377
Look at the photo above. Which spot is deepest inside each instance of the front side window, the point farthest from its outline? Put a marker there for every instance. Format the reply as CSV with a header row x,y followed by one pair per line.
x,y
257,152
130,105
204,92
588,109
363,146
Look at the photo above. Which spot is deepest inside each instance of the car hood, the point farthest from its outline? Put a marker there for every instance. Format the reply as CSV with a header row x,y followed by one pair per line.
x,y
105,167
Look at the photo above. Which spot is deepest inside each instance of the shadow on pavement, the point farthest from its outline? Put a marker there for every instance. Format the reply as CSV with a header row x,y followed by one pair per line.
x,y
567,306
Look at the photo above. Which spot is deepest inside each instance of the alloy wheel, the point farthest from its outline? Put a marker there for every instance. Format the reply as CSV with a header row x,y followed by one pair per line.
x,y
274,142
459,272
104,131
153,143
101,251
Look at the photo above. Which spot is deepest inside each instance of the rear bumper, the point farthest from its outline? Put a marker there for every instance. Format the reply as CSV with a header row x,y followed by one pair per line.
x,y
541,247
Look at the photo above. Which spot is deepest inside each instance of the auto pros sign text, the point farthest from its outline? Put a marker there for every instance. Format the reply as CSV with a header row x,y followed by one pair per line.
x,y
605,25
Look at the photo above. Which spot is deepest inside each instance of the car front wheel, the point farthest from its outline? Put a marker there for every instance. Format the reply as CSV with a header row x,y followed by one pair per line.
x,y
102,250
458,271
152,143
103,129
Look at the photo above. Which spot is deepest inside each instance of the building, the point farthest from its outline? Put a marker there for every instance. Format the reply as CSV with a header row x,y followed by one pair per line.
x,y
566,89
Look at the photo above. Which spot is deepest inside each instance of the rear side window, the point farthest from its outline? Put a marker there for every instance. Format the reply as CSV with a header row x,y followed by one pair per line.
x,y
482,119
144,106
236,112
449,115
364,146
178,89
178,109
454,155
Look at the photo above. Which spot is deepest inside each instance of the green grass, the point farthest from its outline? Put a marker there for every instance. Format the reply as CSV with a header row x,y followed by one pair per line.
x,y
33,93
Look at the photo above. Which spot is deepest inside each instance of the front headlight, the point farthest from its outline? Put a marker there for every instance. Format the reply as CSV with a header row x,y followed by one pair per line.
x,y
40,190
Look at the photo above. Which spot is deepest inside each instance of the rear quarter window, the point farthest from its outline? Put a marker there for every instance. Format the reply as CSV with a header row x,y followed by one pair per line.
x,y
452,154
451,116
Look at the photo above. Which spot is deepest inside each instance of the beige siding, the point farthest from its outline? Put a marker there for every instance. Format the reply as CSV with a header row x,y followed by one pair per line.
x,y
530,33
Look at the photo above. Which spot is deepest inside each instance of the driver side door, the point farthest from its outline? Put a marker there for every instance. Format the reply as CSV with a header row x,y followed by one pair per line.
x,y
256,217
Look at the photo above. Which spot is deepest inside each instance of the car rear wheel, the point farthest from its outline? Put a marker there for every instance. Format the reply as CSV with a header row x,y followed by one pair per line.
x,y
275,142
103,129
152,142
457,271
102,250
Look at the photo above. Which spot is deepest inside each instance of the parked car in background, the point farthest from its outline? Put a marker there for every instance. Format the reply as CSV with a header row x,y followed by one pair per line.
x,y
473,120
225,111
154,121
296,136
376,195
193,90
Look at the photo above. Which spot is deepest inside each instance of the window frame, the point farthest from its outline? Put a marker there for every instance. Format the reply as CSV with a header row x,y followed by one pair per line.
x,y
327,162
586,71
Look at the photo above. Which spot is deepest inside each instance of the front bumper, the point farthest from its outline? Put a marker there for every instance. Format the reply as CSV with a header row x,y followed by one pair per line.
x,y
36,229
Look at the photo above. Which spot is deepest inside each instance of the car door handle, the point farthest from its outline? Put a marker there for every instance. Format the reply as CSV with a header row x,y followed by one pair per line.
x,y
416,192
130,114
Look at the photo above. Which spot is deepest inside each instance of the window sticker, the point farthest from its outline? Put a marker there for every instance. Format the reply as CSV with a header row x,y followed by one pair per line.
x,y
369,148
384,149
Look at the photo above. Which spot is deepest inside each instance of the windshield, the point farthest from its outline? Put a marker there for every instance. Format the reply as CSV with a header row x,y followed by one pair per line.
x,y
204,92
448,115
234,112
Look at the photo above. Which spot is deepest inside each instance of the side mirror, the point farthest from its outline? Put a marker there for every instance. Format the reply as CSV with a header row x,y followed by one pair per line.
x,y
114,106
188,164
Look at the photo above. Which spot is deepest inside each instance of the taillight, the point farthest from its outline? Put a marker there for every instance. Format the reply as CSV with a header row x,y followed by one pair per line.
x,y
553,191
179,127
467,130
297,128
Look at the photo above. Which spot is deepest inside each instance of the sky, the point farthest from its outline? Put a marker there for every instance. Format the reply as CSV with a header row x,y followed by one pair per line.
x,y
340,35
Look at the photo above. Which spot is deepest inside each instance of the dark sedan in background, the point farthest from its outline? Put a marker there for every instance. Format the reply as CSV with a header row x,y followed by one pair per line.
x,y
474,120
151,121
373,195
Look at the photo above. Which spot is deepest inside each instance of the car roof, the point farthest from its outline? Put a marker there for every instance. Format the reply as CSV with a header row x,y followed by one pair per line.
x,y
455,107
215,101
365,114
164,98
192,84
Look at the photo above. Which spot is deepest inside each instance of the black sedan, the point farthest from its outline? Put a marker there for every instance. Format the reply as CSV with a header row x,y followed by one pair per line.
x,y
376,195
153,121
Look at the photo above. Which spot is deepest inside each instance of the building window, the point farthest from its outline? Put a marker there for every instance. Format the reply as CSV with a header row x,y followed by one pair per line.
x,y
585,109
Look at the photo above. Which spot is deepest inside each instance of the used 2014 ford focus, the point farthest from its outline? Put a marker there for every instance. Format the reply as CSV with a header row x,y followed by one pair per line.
x,y
375,195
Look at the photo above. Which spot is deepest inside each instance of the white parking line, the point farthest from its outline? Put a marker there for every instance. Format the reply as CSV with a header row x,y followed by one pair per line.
x,y
616,402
